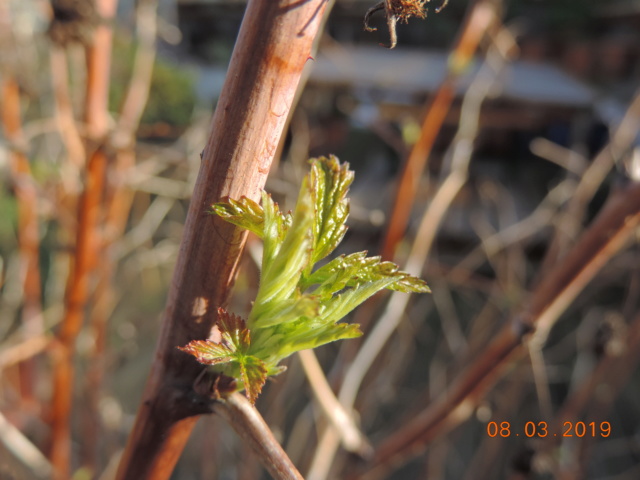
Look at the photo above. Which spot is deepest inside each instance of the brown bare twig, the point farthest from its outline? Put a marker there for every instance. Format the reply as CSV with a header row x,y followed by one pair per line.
x,y
604,238
598,391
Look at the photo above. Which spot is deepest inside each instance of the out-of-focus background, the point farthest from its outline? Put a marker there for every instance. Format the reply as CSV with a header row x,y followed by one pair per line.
x,y
518,162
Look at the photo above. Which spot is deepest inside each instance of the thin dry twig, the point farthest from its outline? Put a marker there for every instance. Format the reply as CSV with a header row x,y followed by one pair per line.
x,y
23,452
564,157
519,231
11,355
620,369
569,226
604,238
352,438
67,126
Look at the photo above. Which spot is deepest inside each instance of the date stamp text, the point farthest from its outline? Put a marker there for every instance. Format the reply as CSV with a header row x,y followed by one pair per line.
x,y
541,430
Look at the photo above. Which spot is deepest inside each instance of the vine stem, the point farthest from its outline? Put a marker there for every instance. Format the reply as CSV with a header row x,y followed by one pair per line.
x,y
273,46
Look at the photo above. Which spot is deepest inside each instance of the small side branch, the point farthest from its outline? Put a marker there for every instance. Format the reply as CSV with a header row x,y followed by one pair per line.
x,y
249,424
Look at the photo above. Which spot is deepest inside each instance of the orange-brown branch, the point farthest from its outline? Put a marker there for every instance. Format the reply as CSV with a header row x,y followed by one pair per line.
x,y
76,296
118,200
87,242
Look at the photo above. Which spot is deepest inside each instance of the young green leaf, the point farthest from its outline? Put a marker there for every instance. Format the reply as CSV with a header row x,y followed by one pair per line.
x,y
208,352
285,311
235,339
253,372
283,260
232,349
305,339
244,213
234,331
356,268
296,307
329,183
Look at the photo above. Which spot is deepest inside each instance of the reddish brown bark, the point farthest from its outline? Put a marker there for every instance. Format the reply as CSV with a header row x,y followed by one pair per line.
x,y
273,46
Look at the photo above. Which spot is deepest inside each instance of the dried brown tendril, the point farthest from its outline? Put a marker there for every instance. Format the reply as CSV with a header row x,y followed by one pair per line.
x,y
399,10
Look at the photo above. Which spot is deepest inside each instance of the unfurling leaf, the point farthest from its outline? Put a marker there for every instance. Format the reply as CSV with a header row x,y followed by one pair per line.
x,y
254,374
283,259
244,213
232,349
234,331
208,352
356,268
296,307
329,182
